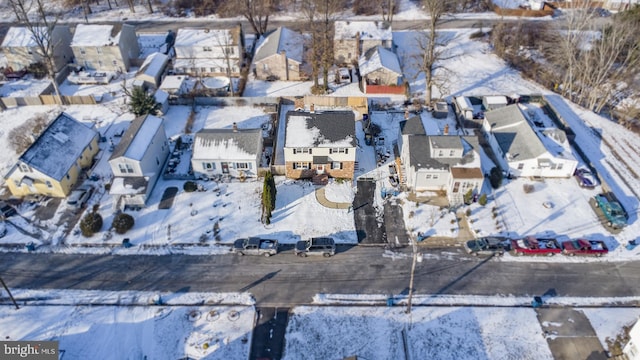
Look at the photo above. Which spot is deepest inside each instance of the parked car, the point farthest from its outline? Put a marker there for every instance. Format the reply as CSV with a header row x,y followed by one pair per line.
x,y
613,212
7,210
531,245
490,245
316,246
585,178
584,247
255,246
79,197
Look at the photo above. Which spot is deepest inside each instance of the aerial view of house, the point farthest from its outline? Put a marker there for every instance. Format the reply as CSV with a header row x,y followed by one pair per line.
x,y
415,180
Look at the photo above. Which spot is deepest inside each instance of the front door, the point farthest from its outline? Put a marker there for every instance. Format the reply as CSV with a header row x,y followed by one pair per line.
x,y
225,168
320,169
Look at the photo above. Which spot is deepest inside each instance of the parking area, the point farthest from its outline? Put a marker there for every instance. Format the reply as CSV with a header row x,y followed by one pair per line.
x,y
570,334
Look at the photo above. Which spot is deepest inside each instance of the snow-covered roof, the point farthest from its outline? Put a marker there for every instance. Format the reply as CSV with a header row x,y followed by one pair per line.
x,y
19,37
282,39
379,58
463,103
96,35
495,99
154,64
172,82
514,134
130,185
206,37
227,144
136,139
320,129
369,30
59,147
208,63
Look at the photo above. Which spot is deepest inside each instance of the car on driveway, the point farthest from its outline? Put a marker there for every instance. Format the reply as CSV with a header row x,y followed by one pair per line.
x,y
584,247
79,197
315,246
490,245
531,245
615,216
585,178
7,210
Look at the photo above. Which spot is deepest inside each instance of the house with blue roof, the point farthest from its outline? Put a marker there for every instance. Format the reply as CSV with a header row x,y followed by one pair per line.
x,y
52,165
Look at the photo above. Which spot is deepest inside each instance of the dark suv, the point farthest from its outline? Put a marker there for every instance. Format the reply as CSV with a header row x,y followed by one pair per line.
x,y
316,246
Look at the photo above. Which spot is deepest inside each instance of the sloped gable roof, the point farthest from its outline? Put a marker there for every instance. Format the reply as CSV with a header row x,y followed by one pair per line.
x,y
207,37
281,39
59,147
412,126
136,140
379,58
514,134
320,129
227,144
420,152
96,35
154,64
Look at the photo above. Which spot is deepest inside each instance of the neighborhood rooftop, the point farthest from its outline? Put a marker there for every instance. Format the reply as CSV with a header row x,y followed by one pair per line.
x,y
514,134
19,36
59,146
320,129
368,30
379,57
96,35
204,37
420,150
412,126
281,39
136,139
227,144
153,64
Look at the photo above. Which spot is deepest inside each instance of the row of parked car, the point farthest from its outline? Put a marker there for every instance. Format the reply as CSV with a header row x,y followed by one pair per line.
x,y
324,246
531,245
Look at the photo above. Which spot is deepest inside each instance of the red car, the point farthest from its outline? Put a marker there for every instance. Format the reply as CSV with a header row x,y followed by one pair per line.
x,y
530,245
584,247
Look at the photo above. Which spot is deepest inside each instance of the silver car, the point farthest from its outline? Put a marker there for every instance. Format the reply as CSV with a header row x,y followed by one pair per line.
x,y
79,197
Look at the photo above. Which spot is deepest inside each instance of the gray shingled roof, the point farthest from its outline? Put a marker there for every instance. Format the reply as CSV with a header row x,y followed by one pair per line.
x,y
412,126
334,126
445,142
59,147
514,134
247,140
281,39
129,136
420,151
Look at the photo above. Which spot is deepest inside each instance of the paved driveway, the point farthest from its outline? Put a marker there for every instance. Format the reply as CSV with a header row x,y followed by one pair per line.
x,y
367,227
569,334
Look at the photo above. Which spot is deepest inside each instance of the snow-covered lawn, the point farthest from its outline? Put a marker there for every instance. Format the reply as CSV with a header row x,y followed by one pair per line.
x,y
431,333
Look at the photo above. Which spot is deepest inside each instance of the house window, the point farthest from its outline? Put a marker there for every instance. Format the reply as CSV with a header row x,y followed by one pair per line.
x,y
49,184
17,183
435,176
115,62
301,166
68,177
25,168
29,52
339,151
206,48
560,166
125,168
82,51
243,166
336,165
520,166
302,151
456,187
208,166
265,67
553,166
452,152
428,176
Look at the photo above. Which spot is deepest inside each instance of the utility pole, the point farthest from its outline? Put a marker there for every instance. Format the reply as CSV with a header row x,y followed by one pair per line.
x,y
9,292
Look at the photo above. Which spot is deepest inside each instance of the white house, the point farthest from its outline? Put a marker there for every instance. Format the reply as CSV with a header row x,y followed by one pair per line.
x,y
234,152
632,348
353,38
137,161
320,143
209,52
149,75
523,151
21,48
105,47
379,66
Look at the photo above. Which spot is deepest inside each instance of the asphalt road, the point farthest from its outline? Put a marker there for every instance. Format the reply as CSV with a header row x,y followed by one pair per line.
x,y
286,280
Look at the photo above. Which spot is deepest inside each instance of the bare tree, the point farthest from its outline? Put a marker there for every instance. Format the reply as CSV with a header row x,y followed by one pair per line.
x,y
257,12
388,8
227,46
432,45
41,28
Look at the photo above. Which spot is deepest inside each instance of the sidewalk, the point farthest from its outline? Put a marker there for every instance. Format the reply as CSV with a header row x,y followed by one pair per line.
x,y
322,199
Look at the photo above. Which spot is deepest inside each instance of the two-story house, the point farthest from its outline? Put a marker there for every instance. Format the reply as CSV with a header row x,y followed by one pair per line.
x,y
320,143
105,47
52,165
21,48
441,163
233,152
521,151
353,38
279,55
209,52
137,161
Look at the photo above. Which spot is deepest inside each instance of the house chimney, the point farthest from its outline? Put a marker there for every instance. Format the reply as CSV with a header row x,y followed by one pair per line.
x,y
406,114
312,108
446,129
235,127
